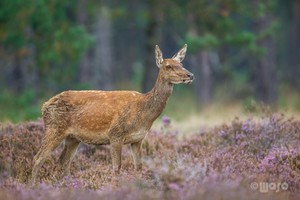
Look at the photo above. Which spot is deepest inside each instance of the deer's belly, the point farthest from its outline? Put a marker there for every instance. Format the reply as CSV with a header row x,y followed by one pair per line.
x,y
135,137
98,137
91,137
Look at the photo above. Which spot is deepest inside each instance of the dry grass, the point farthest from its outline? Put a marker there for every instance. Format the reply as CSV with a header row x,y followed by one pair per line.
x,y
211,162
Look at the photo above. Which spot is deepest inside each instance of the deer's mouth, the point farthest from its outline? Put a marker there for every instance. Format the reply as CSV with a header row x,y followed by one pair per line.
x,y
189,79
186,78
186,81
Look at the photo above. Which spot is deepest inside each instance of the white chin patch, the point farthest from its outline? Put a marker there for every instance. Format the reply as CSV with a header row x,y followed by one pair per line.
x,y
188,81
176,82
183,81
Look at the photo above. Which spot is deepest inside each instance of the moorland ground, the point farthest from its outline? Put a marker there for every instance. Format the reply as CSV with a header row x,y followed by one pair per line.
x,y
255,157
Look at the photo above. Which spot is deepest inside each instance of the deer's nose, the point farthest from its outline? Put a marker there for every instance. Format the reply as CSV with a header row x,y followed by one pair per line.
x,y
191,76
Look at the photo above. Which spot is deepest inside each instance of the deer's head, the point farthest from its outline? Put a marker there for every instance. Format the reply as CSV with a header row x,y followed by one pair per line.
x,y
171,69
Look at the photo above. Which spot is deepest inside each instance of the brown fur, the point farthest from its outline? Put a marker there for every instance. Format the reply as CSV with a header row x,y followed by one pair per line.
x,y
107,117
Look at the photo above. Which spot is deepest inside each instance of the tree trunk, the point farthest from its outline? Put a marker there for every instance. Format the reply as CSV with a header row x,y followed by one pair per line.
x,y
20,71
152,38
102,68
203,80
29,70
150,69
84,65
24,73
295,42
17,77
126,45
265,77
201,66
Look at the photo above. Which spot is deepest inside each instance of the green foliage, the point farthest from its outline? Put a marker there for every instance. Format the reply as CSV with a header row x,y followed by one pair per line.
x,y
251,106
241,39
52,37
137,73
46,27
181,104
207,41
19,107
217,23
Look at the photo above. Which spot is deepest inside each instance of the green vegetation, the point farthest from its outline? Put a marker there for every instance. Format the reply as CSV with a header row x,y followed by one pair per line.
x,y
239,51
21,107
181,104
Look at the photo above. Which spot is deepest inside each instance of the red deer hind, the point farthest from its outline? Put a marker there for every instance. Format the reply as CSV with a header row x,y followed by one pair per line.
x,y
108,117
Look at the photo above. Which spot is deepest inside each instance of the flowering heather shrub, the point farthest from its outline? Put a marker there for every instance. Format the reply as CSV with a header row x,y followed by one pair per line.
x,y
284,164
18,145
220,163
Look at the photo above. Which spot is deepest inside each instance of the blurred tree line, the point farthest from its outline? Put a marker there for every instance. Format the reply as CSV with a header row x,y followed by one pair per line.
x,y
243,48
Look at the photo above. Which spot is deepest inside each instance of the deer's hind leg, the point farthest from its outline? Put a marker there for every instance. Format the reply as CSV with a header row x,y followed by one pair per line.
x,y
53,137
136,150
68,153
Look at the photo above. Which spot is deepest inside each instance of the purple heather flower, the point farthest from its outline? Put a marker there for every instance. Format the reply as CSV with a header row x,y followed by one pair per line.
x,y
247,126
166,121
174,186
222,133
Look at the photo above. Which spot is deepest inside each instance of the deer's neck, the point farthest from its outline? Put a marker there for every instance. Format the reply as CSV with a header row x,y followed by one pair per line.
x,y
157,98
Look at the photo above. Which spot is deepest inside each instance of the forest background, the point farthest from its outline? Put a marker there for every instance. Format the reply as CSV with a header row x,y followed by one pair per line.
x,y
242,53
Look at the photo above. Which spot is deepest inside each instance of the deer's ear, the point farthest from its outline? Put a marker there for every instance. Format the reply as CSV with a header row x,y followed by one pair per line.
x,y
158,56
179,56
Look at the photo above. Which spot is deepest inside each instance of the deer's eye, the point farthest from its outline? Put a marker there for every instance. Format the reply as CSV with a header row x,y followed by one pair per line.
x,y
168,67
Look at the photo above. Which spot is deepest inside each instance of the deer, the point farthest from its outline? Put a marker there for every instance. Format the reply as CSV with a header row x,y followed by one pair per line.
x,y
114,118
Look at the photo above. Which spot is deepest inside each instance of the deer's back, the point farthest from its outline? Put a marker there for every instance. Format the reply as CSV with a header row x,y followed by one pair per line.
x,y
92,110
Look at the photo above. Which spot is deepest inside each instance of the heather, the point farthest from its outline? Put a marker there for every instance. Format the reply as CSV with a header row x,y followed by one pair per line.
x,y
221,162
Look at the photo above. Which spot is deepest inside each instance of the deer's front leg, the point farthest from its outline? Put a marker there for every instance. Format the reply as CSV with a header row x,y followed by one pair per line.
x,y
136,150
116,151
